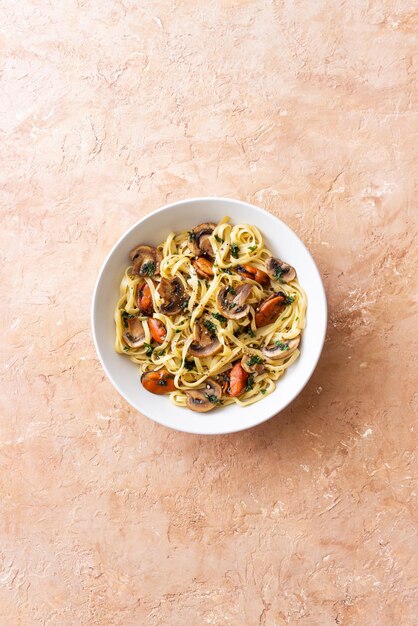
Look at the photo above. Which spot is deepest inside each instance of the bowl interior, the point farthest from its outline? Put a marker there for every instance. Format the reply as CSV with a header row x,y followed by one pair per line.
x,y
153,229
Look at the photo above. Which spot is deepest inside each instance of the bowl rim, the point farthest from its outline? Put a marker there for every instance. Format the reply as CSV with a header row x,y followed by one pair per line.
x,y
321,294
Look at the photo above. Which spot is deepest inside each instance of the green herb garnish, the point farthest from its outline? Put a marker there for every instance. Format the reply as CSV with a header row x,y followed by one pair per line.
x,y
125,317
252,248
148,268
162,382
250,383
296,319
149,350
184,304
282,346
235,250
263,391
218,239
211,327
126,348
212,399
278,273
192,236
219,317
226,270
254,360
178,330
232,290
188,364
250,332
289,299
161,353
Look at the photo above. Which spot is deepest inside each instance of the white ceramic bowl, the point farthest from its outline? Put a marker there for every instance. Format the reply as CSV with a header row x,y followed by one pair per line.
x,y
153,229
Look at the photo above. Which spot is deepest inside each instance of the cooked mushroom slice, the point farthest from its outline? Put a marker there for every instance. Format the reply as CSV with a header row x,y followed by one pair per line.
x,y
279,270
205,343
281,349
252,364
173,295
199,239
145,261
134,335
206,399
232,302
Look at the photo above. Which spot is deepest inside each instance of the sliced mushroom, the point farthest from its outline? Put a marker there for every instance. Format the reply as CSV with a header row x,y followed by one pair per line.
x,y
203,267
252,364
173,296
232,302
279,270
269,310
145,260
134,335
204,342
199,241
281,349
206,399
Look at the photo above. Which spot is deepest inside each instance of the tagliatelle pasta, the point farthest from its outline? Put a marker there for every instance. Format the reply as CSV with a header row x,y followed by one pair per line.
x,y
210,316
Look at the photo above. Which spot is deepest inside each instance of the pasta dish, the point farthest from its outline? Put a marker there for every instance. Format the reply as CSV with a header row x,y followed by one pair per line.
x,y
210,316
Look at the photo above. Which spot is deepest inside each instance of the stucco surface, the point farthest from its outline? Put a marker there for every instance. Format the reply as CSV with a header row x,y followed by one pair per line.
x,y
107,111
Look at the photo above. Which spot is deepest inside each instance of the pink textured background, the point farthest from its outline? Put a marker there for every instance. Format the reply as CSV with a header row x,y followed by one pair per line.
x,y
108,110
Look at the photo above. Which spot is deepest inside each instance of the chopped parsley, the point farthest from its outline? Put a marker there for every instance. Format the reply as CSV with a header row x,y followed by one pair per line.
x,y
192,236
218,239
226,270
149,350
126,316
235,250
211,327
178,330
254,360
148,268
297,319
278,273
162,382
263,391
282,346
126,348
252,248
161,353
232,290
289,299
184,304
219,317
250,332
250,383
188,364
212,398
